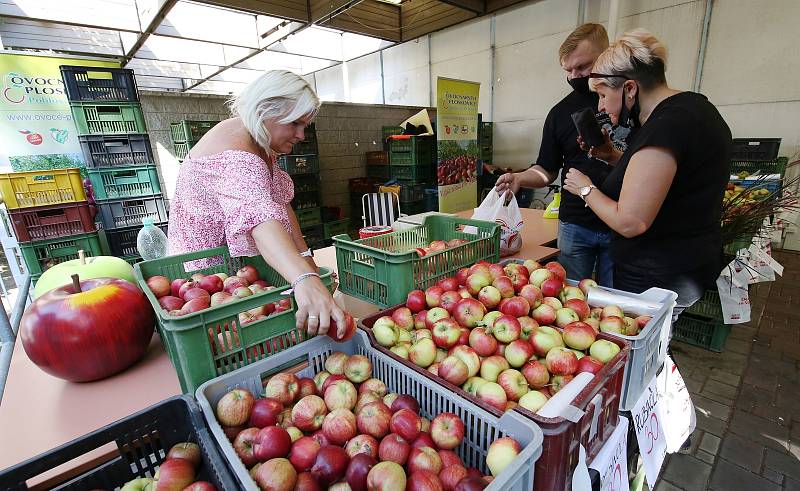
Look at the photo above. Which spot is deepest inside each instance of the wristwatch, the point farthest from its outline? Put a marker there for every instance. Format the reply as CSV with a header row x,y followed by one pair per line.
x,y
307,253
586,190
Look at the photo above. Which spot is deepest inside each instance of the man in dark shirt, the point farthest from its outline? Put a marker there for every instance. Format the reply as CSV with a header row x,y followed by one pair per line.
x,y
582,237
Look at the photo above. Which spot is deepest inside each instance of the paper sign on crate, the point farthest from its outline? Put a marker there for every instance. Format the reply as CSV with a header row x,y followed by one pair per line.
x,y
663,418
612,460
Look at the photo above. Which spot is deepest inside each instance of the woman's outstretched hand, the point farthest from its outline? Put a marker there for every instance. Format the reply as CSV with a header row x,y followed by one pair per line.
x,y
316,308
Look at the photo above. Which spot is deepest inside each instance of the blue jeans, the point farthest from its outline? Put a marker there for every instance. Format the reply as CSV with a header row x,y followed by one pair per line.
x,y
689,285
583,251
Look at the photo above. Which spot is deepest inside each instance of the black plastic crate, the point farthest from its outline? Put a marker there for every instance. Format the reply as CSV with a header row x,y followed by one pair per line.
x,y
411,191
116,150
122,241
755,149
304,183
306,147
123,213
767,167
93,83
378,173
142,439
308,199
299,164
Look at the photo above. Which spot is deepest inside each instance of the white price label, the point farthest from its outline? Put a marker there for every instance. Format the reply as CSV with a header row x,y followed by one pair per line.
x,y
611,461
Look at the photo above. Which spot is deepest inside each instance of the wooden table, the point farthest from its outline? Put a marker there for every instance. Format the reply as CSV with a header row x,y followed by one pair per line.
x,y
40,412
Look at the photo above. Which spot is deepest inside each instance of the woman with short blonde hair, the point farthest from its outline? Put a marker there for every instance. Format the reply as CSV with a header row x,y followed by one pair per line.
x,y
663,199
231,192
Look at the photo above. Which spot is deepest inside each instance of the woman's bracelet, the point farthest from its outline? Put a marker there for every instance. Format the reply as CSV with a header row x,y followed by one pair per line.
x,y
302,277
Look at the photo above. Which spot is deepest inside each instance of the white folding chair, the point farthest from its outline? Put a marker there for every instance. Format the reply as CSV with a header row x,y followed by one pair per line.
x,y
380,209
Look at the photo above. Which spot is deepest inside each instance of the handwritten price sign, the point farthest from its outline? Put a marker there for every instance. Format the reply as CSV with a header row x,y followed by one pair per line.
x,y
612,460
652,442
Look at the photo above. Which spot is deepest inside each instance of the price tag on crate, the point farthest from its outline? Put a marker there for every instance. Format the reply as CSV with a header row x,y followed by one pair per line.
x,y
647,421
611,462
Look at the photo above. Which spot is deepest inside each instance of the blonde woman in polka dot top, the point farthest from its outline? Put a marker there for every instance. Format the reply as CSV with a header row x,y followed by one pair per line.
x,y
231,192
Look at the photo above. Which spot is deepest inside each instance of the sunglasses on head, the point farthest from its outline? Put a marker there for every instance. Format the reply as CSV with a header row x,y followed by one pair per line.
x,y
606,75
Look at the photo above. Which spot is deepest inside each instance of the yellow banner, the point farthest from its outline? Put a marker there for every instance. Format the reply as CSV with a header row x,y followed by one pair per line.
x,y
36,126
457,137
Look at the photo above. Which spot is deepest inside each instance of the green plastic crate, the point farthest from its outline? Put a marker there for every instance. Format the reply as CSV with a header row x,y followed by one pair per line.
x,y
708,305
299,164
414,207
41,255
777,166
190,131
701,330
383,269
182,150
212,342
95,118
338,227
308,199
420,145
304,183
416,173
124,182
309,217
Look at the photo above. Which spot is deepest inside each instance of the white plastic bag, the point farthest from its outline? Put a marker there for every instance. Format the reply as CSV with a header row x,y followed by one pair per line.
x,y
735,300
494,209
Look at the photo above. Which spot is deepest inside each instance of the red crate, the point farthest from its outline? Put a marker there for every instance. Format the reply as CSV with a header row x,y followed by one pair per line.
x,y
377,158
561,436
51,222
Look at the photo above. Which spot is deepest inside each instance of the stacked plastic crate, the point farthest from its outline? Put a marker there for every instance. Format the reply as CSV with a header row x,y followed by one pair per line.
x,y
185,134
412,163
50,215
303,167
123,178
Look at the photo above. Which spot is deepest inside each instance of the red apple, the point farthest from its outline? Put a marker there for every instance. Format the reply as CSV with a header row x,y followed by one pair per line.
x,y
448,284
552,287
307,387
170,303
482,342
519,279
453,370
445,333
518,352
501,453
403,401
544,315
374,419
469,312
447,430
175,286
265,412
339,426
461,276
341,394
272,442
386,476
561,361
243,445
394,448
320,437
420,319
232,283
306,482
159,285
234,408
513,383
211,284
200,486
188,451
424,458
557,269
492,394
532,294
276,475
558,382
451,475
527,327
283,387
175,475
365,444
471,483
249,273
330,465
349,329
463,339
358,368
506,328
423,440
416,301
433,296
516,307
309,413
449,300
470,358
330,380
303,453
434,315
476,281
358,470
489,296
406,423
536,374
578,335
585,284
505,286
589,364
612,324
88,334
642,320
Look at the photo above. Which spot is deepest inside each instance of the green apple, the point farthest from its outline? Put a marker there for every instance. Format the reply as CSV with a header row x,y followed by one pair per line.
x,y
93,267
141,484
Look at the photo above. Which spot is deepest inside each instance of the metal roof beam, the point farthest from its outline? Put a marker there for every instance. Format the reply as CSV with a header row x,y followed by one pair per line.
x,y
163,9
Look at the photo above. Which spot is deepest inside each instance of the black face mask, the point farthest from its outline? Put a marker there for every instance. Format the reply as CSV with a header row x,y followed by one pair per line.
x,y
579,84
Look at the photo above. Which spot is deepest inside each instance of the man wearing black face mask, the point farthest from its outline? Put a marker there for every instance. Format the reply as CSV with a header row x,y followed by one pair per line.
x,y
582,237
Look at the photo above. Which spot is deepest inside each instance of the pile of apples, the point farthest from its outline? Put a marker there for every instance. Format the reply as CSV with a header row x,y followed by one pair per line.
x,y
177,473
509,335
439,246
185,296
343,430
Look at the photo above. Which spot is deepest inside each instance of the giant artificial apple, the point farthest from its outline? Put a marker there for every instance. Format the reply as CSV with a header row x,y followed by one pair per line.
x,y
88,330
87,268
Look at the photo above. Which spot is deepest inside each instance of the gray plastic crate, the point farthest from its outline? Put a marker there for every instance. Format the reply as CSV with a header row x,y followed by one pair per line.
x,y
648,348
129,212
482,427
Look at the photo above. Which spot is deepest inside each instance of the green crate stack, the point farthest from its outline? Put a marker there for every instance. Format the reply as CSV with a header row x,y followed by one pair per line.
x,y
116,148
412,162
485,141
186,133
302,165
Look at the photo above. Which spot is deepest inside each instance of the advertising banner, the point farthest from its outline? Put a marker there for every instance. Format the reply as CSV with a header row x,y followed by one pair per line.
x,y
457,143
36,127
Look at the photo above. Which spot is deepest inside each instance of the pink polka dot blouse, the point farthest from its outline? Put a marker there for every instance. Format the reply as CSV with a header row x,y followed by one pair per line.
x,y
220,198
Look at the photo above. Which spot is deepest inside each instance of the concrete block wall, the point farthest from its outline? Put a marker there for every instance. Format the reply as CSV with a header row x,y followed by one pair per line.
x,y
344,131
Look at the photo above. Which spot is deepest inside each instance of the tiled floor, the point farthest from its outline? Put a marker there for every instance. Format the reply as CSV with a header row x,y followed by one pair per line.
x,y
747,398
